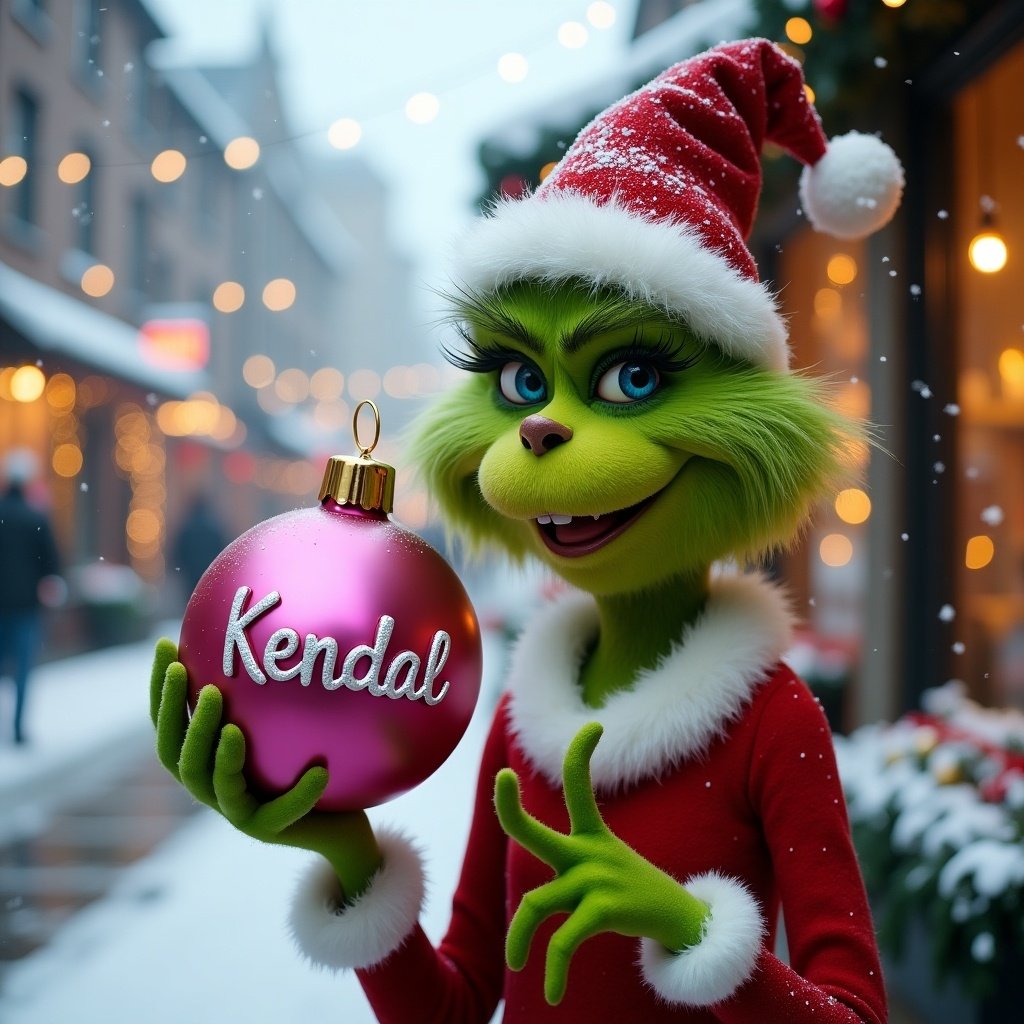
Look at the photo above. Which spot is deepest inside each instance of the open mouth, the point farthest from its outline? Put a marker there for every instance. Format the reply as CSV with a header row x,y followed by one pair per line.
x,y
573,536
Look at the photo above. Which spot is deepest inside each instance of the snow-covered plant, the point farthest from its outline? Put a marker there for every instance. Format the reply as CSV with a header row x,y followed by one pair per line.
x,y
936,803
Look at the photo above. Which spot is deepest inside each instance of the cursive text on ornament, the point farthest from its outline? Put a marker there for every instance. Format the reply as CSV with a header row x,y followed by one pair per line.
x,y
400,678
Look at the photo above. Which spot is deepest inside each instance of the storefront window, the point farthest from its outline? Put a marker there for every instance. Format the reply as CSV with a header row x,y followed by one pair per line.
x,y
989,248
823,283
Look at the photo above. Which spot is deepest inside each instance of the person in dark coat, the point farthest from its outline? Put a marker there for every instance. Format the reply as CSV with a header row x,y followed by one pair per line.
x,y
199,541
29,572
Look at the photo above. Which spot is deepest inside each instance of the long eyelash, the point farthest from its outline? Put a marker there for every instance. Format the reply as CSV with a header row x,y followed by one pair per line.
x,y
479,358
668,353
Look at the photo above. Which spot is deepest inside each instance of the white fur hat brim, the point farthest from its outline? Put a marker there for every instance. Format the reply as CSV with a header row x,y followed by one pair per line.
x,y
566,235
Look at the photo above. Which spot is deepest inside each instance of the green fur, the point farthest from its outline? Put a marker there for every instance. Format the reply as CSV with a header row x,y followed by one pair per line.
x,y
742,452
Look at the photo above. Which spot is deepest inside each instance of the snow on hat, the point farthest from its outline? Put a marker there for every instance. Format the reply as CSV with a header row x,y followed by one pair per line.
x,y
657,197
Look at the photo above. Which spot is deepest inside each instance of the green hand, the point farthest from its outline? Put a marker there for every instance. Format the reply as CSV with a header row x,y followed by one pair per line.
x,y
601,883
208,761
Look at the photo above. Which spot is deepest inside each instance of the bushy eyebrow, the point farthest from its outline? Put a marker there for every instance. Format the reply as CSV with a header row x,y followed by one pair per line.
x,y
610,312
606,318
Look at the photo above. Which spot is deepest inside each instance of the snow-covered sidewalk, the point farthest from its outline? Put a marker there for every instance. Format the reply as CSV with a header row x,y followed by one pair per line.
x,y
195,931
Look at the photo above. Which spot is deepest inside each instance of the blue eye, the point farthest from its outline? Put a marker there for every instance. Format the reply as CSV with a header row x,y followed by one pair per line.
x,y
522,384
630,381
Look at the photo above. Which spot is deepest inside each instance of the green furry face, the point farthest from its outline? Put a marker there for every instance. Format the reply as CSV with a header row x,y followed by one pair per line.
x,y
587,405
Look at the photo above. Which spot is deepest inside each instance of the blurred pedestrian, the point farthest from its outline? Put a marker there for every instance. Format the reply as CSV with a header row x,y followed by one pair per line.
x,y
29,577
199,541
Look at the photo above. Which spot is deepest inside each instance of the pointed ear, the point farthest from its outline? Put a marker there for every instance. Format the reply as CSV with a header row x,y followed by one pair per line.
x,y
448,440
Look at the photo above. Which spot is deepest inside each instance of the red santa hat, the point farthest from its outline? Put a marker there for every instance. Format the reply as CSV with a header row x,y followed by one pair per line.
x,y
657,196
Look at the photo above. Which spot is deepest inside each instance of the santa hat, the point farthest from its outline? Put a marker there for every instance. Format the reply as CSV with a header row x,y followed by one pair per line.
x,y
657,196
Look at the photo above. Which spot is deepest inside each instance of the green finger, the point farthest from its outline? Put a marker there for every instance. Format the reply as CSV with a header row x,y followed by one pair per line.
x,y
172,718
584,923
165,653
196,762
237,804
276,815
556,897
550,846
579,792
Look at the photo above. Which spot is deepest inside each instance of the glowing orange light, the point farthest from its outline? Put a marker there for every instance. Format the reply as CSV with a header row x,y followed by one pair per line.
x,y
27,383
980,551
168,165
73,168
799,31
841,269
836,549
240,154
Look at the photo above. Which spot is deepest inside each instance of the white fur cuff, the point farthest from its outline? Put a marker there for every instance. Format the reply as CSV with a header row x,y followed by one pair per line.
x,y
375,925
724,958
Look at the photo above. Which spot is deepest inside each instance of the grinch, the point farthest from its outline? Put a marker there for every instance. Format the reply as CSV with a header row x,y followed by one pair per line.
x,y
658,788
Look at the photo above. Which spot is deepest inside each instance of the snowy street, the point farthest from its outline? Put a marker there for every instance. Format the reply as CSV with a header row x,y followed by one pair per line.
x,y
195,930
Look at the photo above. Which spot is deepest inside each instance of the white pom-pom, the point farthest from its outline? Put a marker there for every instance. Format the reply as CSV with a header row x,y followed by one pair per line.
x,y
854,189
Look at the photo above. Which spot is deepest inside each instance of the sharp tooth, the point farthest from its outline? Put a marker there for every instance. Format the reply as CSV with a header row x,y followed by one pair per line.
x,y
560,520
543,520
598,516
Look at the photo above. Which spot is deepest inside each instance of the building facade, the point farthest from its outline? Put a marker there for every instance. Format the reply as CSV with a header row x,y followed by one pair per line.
x,y
172,296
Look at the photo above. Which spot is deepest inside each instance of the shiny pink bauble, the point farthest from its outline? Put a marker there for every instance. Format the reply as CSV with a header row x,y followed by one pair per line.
x,y
340,572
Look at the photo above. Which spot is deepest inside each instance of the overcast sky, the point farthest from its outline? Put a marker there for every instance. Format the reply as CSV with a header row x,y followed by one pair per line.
x,y
364,60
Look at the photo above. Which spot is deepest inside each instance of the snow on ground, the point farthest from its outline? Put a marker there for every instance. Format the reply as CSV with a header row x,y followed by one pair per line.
x,y
196,931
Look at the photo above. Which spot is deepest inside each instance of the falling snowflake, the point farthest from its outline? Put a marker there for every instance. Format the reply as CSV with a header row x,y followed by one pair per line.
x,y
947,613
992,516
943,214
952,409
959,647
881,62
915,290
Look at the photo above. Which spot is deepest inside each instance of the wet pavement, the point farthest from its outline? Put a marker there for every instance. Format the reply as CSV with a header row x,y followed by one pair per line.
x,y
59,859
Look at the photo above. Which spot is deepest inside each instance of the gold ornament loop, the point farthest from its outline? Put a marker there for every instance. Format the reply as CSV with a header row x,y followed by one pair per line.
x,y
364,450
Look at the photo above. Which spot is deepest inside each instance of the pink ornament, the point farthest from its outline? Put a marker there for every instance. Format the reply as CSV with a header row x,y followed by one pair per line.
x,y
337,638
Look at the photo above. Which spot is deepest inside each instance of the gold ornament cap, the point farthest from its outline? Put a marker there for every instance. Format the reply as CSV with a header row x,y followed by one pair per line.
x,y
359,480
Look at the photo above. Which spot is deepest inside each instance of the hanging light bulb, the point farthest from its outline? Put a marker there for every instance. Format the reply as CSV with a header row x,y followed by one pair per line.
x,y
987,249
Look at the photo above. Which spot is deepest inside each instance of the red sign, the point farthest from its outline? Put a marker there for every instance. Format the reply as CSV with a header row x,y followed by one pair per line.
x,y
180,344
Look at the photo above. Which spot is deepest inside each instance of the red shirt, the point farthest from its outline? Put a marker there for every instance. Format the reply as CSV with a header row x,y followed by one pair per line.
x,y
762,804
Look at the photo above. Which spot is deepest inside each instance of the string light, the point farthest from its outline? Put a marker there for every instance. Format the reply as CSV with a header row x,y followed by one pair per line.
x,y
228,297
168,165
279,294
422,108
97,280
573,35
894,3
12,170
74,168
601,15
345,133
242,153
258,371
512,67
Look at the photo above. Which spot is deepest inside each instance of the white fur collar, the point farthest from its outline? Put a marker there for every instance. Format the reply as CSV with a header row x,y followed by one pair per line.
x,y
673,711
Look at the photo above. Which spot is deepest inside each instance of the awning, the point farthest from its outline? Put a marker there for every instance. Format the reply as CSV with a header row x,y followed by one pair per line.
x,y
56,324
